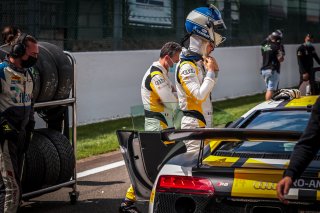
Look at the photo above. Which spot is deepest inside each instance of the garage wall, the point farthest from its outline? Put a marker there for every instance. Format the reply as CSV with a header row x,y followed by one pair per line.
x,y
108,83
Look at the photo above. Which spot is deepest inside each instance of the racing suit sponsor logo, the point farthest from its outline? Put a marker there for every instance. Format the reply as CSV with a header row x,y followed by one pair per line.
x,y
188,71
301,183
202,33
24,98
160,81
266,48
264,185
17,78
15,81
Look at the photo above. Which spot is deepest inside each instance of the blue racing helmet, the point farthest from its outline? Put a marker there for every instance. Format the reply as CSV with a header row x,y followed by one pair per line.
x,y
204,22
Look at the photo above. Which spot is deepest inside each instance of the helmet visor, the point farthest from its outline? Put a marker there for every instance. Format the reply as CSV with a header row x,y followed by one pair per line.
x,y
216,38
216,25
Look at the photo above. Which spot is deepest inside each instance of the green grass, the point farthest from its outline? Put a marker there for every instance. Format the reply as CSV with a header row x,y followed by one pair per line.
x,y
230,110
99,138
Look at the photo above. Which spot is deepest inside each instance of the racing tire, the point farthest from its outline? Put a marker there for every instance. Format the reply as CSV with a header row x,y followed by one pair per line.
x,y
36,83
50,157
48,75
34,168
65,152
64,68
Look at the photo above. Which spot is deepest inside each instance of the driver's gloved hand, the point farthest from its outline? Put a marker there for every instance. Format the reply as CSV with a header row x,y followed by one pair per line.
x,y
7,131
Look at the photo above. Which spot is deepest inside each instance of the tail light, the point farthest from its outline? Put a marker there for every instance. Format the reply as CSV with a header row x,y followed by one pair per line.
x,y
184,184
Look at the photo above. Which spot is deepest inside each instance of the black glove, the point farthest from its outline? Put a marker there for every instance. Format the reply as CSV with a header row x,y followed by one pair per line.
x,y
7,131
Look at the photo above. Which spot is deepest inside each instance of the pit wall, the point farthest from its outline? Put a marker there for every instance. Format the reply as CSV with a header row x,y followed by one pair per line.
x,y
108,83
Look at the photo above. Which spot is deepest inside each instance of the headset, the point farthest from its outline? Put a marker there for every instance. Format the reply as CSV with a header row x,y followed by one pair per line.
x,y
18,49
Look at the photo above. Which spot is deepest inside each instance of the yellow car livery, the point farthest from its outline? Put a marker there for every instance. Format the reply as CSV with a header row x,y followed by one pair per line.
x,y
237,171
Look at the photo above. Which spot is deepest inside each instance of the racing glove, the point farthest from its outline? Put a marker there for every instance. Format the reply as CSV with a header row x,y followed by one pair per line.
x,y
286,94
7,131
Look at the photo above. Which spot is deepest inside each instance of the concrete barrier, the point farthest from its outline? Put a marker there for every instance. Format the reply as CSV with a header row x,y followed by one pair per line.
x,y
108,83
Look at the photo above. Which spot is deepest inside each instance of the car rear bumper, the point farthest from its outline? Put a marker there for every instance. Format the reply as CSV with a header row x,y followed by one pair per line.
x,y
173,203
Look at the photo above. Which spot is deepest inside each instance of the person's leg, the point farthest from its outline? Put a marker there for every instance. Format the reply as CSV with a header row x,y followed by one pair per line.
x,y
127,205
312,82
151,124
130,194
273,83
301,79
271,78
268,95
10,178
191,123
267,74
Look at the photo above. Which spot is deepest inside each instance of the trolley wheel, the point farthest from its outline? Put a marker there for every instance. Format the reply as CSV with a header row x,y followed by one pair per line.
x,y
73,197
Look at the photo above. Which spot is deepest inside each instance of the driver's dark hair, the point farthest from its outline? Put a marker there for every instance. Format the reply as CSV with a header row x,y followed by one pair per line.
x,y
170,48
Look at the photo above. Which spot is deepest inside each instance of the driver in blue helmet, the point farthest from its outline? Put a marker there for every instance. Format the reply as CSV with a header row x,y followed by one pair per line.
x,y
197,71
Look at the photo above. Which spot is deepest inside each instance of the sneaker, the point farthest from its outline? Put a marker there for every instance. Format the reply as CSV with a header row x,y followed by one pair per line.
x,y
128,206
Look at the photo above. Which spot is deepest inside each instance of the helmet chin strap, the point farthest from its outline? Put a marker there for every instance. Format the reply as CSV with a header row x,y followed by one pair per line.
x,y
197,45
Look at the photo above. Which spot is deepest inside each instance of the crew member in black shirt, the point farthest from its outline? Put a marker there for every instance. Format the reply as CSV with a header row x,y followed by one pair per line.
x,y
272,55
304,151
305,54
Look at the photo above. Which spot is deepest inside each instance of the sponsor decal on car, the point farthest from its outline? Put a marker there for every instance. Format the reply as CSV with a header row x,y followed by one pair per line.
x,y
264,185
307,183
222,184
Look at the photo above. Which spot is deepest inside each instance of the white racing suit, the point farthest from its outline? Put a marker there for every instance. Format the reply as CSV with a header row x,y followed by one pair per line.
x,y
158,98
159,101
16,118
194,88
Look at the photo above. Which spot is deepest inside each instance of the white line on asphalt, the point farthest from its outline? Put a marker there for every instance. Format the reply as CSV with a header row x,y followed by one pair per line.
x,y
100,169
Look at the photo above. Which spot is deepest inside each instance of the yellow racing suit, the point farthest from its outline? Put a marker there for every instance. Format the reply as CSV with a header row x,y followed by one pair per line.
x,y
158,98
159,101
194,86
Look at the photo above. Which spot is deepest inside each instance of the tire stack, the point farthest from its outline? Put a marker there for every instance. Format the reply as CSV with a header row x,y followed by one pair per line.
x,y
49,160
53,74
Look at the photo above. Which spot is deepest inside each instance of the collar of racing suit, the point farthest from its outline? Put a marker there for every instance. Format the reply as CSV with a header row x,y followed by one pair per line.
x,y
190,55
15,68
163,69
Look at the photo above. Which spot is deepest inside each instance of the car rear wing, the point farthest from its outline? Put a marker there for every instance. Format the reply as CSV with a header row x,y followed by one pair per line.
x,y
231,134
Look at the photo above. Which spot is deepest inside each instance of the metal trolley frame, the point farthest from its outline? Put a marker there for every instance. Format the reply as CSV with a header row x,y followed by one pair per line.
x,y
71,102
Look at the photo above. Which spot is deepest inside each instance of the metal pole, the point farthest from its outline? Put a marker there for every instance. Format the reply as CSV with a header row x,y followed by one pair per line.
x,y
74,123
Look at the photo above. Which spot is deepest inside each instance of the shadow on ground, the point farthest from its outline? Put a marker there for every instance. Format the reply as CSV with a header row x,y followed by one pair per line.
x,y
98,183
91,206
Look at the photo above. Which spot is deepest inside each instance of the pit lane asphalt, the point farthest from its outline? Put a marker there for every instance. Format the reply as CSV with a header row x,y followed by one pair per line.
x,y
100,192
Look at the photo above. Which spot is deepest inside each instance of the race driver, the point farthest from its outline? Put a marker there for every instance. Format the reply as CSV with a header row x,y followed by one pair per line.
x,y
197,72
159,100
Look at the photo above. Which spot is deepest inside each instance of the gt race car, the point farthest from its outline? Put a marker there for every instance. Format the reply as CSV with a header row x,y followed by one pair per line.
x,y
236,169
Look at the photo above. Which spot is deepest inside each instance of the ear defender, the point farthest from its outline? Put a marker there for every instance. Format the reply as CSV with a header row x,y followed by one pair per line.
x,y
19,49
